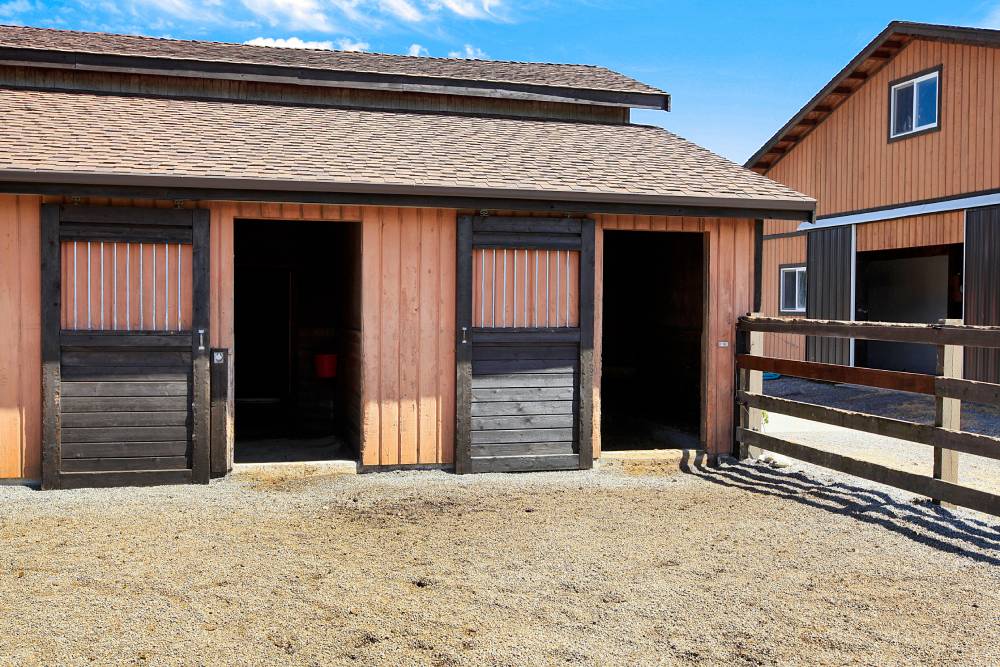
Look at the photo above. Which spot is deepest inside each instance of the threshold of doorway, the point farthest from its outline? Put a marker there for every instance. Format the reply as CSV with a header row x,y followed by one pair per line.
x,y
679,460
345,466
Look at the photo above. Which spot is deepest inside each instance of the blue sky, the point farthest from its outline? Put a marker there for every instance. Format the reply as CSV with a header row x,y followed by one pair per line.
x,y
736,70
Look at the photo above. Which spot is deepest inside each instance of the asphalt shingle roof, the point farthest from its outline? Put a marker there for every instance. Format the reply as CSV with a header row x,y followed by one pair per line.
x,y
544,74
57,135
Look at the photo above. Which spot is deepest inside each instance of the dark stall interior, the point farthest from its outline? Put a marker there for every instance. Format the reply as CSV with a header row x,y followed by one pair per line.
x,y
907,285
652,340
298,336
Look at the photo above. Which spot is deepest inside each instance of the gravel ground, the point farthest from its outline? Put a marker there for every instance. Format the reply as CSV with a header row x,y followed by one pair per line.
x,y
632,564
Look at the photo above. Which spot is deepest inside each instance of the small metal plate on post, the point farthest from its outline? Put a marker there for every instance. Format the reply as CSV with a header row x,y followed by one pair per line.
x,y
723,343
218,356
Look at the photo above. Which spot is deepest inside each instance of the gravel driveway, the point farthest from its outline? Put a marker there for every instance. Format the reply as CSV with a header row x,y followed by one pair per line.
x,y
628,565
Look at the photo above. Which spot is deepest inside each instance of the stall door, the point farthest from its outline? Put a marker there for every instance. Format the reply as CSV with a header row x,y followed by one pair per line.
x,y
124,346
525,317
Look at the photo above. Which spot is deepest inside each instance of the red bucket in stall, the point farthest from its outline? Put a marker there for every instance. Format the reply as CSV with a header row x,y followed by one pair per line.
x,y
325,365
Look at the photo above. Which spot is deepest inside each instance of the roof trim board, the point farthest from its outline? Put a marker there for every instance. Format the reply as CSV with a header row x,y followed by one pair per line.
x,y
910,210
886,45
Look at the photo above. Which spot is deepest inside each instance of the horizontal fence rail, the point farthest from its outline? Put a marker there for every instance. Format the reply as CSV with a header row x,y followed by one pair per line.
x,y
949,389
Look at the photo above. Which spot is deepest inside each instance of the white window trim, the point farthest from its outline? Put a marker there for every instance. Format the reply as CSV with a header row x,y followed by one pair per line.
x,y
781,290
892,105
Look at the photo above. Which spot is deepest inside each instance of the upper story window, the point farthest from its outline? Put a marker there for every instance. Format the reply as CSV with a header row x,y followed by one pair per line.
x,y
793,289
914,104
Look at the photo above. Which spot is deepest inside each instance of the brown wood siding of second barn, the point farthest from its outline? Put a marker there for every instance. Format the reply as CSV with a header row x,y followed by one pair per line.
x,y
729,245
777,253
913,232
848,164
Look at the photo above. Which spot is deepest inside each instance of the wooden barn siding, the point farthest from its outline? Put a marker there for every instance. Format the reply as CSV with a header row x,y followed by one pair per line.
x,y
913,232
149,84
847,164
729,244
786,250
407,344
20,341
982,288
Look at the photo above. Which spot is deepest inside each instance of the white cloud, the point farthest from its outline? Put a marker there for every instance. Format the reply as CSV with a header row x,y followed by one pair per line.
x,y
417,50
346,44
402,9
295,14
470,9
469,52
288,43
186,10
343,44
15,7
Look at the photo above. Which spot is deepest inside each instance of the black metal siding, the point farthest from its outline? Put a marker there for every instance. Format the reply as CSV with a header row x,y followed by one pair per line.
x,y
982,287
828,290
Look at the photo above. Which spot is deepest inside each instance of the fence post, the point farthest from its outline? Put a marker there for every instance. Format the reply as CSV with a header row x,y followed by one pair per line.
x,y
948,411
751,381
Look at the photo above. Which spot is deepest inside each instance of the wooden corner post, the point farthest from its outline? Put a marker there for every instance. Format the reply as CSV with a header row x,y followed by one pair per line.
x,y
948,410
751,343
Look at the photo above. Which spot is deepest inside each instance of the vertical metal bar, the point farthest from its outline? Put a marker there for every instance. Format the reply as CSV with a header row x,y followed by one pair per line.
x,y
524,320
558,291
101,247
142,314
482,288
547,288
504,320
513,322
128,286
166,286
568,283
114,287
153,314
180,254
88,286
493,302
76,309
535,322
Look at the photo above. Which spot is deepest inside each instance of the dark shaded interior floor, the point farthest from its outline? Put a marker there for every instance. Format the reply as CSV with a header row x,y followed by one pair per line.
x,y
622,431
976,418
293,450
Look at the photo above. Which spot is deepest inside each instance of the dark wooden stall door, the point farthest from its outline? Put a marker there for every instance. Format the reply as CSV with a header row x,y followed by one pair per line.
x,y
525,317
124,346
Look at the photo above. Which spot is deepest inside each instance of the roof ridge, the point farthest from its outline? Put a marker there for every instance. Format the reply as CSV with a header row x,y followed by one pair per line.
x,y
307,49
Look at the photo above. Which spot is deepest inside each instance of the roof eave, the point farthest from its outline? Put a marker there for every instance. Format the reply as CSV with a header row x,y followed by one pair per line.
x,y
188,188
312,76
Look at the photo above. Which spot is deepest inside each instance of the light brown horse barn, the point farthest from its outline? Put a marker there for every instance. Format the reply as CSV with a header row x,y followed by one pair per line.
x,y
215,250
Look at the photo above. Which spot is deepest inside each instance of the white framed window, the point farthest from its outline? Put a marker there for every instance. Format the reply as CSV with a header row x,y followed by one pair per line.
x,y
793,289
913,104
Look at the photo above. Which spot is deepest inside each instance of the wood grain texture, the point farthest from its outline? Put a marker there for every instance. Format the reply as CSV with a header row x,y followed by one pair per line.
x,y
847,164
913,232
729,293
779,252
20,342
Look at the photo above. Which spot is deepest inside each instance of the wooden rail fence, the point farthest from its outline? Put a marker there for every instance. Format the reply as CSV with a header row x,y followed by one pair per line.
x,y
946,436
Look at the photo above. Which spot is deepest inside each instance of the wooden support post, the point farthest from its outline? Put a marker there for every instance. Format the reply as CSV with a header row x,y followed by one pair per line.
x,y
948,411
752,381
221,461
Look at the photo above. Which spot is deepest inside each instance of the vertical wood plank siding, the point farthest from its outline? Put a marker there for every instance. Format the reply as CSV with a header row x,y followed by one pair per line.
x,y
517,287
109,286
913,232
407,342
847,164
729,246
20,342
778,252
982,288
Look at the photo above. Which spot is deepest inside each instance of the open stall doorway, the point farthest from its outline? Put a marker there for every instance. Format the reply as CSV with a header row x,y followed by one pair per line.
x,y
297,340
651,368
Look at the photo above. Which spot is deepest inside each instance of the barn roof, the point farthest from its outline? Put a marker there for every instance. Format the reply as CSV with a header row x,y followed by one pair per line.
x,y
851,78
98,139
102,51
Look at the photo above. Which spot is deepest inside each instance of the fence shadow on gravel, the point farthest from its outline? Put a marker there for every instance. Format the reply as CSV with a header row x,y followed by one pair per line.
x,y
921,522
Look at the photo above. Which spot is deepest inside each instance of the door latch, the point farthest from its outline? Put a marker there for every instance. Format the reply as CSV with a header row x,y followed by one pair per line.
x,y
201,340
465,339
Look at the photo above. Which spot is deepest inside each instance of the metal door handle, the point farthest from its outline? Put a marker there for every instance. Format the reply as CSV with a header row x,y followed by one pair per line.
x,y
465,340
201,340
